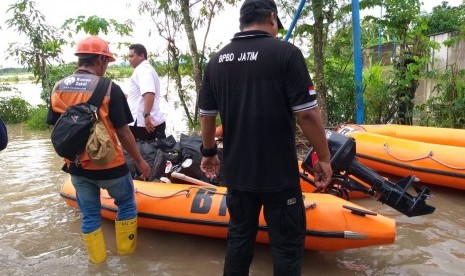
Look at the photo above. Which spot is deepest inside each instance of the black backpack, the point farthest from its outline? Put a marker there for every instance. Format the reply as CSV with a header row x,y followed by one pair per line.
x,y
73,128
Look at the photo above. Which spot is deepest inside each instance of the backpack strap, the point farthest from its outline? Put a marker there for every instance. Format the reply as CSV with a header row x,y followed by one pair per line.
x,y
99,93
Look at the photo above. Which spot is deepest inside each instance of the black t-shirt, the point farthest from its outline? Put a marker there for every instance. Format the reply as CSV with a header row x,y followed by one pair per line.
x,y
257,83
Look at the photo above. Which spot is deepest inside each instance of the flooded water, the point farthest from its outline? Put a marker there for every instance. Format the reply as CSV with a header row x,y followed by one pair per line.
x,y
40,233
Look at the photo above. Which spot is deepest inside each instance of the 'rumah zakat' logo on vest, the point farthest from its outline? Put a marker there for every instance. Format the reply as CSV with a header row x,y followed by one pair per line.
x,y
69,80
75,118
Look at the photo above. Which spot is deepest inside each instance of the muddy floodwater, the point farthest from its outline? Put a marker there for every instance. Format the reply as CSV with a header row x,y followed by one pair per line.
x,y
40,233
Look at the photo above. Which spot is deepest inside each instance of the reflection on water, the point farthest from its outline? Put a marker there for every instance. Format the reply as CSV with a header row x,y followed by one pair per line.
x,y
40,234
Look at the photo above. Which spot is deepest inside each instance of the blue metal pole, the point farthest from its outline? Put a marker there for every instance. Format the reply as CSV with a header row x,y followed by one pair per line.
x,y
294,20
357,61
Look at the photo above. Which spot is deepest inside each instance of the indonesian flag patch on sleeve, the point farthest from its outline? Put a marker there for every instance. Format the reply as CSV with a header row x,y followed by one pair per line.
x,y
312,92
309,102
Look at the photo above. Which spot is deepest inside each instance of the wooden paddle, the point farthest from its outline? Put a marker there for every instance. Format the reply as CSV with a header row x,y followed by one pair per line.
x,y
191,179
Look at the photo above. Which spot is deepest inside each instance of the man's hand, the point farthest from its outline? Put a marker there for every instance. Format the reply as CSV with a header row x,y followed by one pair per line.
x,y
210,166
144,168
148,125
322,174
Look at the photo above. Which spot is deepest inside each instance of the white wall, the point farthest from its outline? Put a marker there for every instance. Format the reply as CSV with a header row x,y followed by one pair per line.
x,y
442,59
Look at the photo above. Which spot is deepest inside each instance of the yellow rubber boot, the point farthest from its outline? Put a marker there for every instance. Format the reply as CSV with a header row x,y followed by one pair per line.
x,y
126,235
95,246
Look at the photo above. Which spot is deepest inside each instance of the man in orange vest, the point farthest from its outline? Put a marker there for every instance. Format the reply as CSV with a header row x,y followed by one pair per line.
x,y
87,177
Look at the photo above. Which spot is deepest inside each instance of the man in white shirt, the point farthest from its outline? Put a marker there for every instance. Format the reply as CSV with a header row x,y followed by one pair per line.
x,y
144,97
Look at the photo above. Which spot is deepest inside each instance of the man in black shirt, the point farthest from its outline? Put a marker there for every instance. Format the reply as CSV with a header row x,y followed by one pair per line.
x,y
258,85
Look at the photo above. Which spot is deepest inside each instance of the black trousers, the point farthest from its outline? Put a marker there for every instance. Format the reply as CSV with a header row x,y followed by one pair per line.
x,y
284,213
141,134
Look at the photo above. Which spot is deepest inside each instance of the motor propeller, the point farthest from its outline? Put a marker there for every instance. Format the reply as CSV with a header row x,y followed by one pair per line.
x,y
345,165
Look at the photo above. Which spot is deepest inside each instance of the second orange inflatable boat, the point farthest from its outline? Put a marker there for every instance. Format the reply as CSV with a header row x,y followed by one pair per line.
x,y
433,163
432,135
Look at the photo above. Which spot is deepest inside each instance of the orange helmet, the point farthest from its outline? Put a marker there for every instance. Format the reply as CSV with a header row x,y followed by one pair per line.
x,y
94,45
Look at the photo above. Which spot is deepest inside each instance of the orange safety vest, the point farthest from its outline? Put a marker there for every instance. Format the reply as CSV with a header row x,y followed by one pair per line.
x,y
76,89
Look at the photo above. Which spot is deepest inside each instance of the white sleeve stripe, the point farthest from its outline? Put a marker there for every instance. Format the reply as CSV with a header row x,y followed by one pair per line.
x,y
208,112
305,106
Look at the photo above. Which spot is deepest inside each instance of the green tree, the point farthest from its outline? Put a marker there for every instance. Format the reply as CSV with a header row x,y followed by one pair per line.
x,y
446,107
403,22
340,100
323,15
317,17
378,94
444,18
176,21
37,118
14,110
44,41
94,25
339,75
322,21
41,54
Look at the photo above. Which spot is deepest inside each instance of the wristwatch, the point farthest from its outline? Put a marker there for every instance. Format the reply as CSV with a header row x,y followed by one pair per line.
x,y
146,114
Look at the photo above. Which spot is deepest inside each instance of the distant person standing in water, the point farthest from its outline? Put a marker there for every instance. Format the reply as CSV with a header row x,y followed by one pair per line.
x,y
3,135
144,97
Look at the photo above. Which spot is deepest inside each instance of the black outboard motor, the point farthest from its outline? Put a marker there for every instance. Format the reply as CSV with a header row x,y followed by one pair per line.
x,y
344,163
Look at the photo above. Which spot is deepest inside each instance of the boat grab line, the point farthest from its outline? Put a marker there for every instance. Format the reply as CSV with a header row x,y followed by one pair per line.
x,y
429,155
186,192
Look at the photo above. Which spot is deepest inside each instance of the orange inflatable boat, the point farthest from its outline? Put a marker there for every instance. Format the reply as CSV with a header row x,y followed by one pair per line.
x,y
434,163
332,222
433,135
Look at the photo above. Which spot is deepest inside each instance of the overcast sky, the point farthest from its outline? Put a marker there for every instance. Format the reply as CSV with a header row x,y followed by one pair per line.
x,y
56,12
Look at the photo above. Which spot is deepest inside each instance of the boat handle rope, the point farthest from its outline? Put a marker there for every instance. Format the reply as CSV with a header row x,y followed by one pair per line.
x,y
429,155
187,192
311,205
